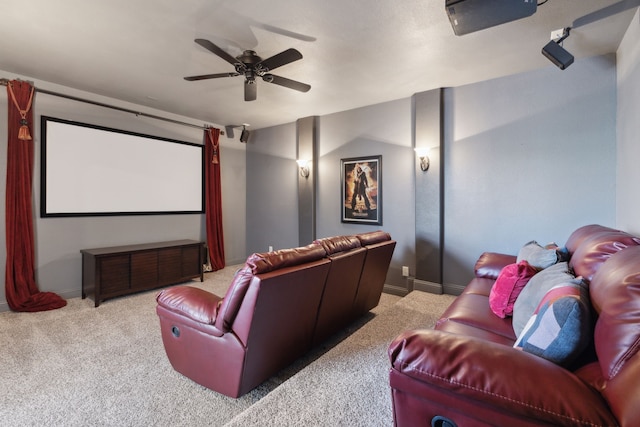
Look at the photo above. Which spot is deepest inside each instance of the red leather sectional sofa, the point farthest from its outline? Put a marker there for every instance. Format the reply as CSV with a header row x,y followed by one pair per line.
x,y
467,373
278,306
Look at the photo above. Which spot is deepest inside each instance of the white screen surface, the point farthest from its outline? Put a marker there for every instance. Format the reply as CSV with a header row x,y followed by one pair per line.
x,y
91,170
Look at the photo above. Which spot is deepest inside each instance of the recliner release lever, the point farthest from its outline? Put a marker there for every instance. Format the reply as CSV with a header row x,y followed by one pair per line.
x,y
440,421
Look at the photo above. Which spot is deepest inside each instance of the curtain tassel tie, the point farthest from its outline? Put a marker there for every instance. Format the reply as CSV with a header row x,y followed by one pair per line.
x,y
23,131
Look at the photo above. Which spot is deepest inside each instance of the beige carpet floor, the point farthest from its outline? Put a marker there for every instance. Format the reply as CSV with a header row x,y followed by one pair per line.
x,y
106,366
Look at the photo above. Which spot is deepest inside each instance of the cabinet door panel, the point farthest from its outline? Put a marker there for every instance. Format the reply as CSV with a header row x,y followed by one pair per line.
x,y
169,265
144,270
191,261
114,274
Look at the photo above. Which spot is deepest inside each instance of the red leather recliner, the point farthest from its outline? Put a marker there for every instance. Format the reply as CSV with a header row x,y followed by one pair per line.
x,y
465,372
278,306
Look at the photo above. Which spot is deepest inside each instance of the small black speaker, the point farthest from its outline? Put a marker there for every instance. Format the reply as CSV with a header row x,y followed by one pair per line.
x,y
244,136
557,54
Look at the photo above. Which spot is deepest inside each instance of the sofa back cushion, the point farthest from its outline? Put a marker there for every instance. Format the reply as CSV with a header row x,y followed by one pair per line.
x,y
337,244
336,309
373,237
270,261
582,233
592,245
380,249
615,295
256,264
277,317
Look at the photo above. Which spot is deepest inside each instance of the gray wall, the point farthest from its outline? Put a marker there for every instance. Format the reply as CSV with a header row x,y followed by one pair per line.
x,y
272,189
524,158
528,157
531,156
384,129
59,240
628,190
272,177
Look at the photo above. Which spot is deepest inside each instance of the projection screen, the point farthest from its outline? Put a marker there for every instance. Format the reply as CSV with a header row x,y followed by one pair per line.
x,y
89,170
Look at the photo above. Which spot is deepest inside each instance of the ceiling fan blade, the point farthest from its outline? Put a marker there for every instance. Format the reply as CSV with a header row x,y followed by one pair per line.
x,y
210,76
218,51
283,81
279,60
250,90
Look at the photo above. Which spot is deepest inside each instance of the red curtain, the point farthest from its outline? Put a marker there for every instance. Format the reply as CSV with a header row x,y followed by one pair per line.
x,y
21,289
213,199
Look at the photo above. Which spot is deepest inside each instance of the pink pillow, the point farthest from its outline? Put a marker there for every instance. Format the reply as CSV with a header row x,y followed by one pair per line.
x,y
508,286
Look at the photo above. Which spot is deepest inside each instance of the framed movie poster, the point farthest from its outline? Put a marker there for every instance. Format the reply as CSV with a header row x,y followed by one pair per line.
x,y
361,195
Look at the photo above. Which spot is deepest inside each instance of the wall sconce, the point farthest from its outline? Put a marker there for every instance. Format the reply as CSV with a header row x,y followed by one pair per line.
x,y
304,167
423,155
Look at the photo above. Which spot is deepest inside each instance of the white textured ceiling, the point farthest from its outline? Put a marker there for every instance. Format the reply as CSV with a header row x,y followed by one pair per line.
x,y
356,52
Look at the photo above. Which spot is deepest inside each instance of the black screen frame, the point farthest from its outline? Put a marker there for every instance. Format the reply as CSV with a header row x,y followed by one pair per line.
x,y
45,212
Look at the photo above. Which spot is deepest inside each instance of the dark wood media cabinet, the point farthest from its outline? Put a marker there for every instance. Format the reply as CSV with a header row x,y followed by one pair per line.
x,y
123,270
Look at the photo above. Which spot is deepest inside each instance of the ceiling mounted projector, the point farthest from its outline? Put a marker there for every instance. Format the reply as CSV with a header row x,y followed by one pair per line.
x,y
467,16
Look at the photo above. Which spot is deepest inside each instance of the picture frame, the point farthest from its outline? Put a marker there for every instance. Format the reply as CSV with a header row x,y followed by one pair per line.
x,y
361,190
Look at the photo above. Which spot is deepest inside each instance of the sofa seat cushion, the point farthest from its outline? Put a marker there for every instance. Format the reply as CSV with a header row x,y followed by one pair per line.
x,y
472,310
454,327
560,328
479,286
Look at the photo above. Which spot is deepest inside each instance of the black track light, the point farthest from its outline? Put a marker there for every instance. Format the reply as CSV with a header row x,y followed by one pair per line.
x,y
556,53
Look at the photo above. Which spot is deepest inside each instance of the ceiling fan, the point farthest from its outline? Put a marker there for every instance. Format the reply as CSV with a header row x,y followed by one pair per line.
x,y
250,65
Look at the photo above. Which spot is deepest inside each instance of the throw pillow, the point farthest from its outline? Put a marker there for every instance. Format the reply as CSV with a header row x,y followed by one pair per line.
x,y
560,328
538,256
508,286
535,290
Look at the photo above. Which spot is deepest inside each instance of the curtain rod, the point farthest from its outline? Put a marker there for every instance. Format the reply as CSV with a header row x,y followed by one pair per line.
x,y
5,82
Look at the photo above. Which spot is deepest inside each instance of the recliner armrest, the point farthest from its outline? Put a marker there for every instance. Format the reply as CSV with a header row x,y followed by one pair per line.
x,y
483,374
193,303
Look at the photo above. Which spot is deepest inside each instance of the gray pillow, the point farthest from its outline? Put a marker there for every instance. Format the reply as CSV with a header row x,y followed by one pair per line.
x,y
561,328
532,294
538,256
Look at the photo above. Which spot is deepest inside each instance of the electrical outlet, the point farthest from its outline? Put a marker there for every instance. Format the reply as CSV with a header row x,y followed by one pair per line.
x,y
405,271
270,248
